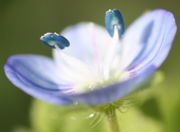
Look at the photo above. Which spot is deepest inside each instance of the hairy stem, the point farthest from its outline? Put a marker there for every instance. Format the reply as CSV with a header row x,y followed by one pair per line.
x,y
112,119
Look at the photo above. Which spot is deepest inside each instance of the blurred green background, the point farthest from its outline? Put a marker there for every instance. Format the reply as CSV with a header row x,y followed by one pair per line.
x,y
22,22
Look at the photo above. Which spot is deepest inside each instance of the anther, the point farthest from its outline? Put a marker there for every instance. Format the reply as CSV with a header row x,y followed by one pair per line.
x,y
114,21
54,40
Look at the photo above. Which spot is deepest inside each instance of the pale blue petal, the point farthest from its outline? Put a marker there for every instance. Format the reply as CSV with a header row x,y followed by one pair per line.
x,y
36,76
115,91
88,42
154,33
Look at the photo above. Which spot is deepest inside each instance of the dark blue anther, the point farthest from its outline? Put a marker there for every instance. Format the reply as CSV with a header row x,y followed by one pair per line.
x,y
54,40
114,19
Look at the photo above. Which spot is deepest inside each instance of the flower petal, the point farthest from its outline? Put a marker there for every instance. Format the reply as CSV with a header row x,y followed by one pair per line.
x,y
115,91
148,40
36,76
88,42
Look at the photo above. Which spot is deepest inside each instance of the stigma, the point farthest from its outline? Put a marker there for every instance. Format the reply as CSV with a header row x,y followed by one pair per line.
x,y
114,21
54,40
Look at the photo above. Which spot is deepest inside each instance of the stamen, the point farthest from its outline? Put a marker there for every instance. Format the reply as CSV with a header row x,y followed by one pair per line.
x,y
54,40
114,54
114,19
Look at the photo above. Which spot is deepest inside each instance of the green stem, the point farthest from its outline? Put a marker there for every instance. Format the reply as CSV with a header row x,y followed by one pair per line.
x,y
112,119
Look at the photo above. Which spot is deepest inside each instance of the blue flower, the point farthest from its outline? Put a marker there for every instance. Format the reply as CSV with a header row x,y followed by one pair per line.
x,y
93,66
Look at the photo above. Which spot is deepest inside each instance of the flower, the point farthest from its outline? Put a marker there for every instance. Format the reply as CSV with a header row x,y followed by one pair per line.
x,y
94,66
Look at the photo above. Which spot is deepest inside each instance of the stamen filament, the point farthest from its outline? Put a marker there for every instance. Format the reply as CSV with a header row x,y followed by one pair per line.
x,y
112,54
